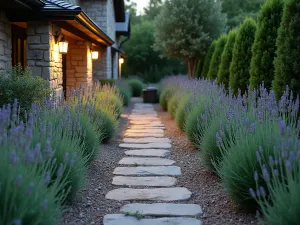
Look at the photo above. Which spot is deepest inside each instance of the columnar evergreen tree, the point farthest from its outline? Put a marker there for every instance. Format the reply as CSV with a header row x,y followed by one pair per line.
x,y
241,58
226,58
287,60
184,29
264,47
216,57
207,59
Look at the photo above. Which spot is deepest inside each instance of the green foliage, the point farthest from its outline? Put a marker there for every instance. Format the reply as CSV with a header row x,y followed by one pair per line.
x,y
142,59
173,105
210,153
125,91
182,112
238,10
108,125
241,56
264,46
240,161
25,197
226,58
184,29
136,87
216,57
192,124
114,100
20,84
287,67
208,58
110,82
165,97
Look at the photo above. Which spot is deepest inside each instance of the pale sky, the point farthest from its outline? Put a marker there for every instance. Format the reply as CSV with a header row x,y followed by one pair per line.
x,y
140,5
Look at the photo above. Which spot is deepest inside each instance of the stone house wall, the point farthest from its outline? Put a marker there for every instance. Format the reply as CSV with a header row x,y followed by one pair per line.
x,y
79,64
43,57
5,43
103,14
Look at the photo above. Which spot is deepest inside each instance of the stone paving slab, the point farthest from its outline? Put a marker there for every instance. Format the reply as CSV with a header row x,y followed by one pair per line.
x,y
146,126
137,135
149,171
163,209
147,140
151,194
120,219
139,122
148,152
148,145
156,131
145,118
146,161
145,181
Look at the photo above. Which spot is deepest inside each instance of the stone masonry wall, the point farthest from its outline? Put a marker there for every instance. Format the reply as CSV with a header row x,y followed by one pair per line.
x,y
102,13
43,57
79,65
5,43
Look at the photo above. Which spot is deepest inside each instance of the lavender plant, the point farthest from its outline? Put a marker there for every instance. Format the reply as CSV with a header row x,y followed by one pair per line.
x,y
28,194
277,180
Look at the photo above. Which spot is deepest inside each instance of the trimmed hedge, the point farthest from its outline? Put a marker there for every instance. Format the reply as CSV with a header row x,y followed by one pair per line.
x,y
207,59
226,58
241,56
264,47
216,57
287,66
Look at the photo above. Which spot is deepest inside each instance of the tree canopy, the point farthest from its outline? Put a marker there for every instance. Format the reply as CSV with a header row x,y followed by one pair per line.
x,y
185,29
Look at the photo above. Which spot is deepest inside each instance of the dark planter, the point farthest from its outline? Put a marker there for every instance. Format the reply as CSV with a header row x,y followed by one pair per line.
x,y
150,95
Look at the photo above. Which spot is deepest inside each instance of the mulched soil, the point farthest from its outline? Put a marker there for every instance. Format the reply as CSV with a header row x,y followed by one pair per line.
x,y
90,205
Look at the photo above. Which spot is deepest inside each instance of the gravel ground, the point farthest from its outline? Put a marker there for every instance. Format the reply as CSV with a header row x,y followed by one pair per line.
x,y
90,206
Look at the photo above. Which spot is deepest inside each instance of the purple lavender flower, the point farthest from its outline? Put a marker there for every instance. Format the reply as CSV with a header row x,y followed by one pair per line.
x,y
262,191
288,165
66,157
255,176
18,180
14,159
30,188
252,193
271,161
282,127
266,174
276,173
44,205
258,156
17,222
60,170
47,177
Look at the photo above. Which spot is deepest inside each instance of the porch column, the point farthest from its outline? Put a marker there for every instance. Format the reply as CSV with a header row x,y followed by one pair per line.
x,y
43,57
79,64
5,43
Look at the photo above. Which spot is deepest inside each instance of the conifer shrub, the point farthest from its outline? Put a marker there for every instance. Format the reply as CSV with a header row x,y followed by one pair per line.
x,y
216,57
241,56
264,46
226,58
286,63
165,97
136,87
207,59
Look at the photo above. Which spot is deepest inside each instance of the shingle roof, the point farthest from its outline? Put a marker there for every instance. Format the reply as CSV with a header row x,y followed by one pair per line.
x,y
123,26
59,5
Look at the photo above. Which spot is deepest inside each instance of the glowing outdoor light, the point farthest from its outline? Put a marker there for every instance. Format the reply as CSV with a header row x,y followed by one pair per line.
x,y
63,46
121,60
95,54
62,43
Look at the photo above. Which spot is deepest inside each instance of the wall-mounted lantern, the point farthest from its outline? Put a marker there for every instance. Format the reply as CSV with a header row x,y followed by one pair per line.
x,y
121,60
95,54
62,43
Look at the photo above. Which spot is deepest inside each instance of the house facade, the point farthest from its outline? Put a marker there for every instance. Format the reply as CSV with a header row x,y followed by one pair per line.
x,y
34,33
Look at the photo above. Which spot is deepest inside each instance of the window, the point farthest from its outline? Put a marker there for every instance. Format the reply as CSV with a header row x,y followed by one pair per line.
x,y
19,45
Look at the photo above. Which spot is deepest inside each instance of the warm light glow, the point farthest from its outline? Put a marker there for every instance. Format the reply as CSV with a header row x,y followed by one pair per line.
x,y
95,55
121,60
63,46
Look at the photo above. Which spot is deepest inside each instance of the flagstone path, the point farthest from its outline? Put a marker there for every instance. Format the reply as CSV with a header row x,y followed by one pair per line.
x,y
145,175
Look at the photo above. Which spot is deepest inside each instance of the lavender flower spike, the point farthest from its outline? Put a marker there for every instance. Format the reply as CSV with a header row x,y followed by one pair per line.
x,y
252,193
60,170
